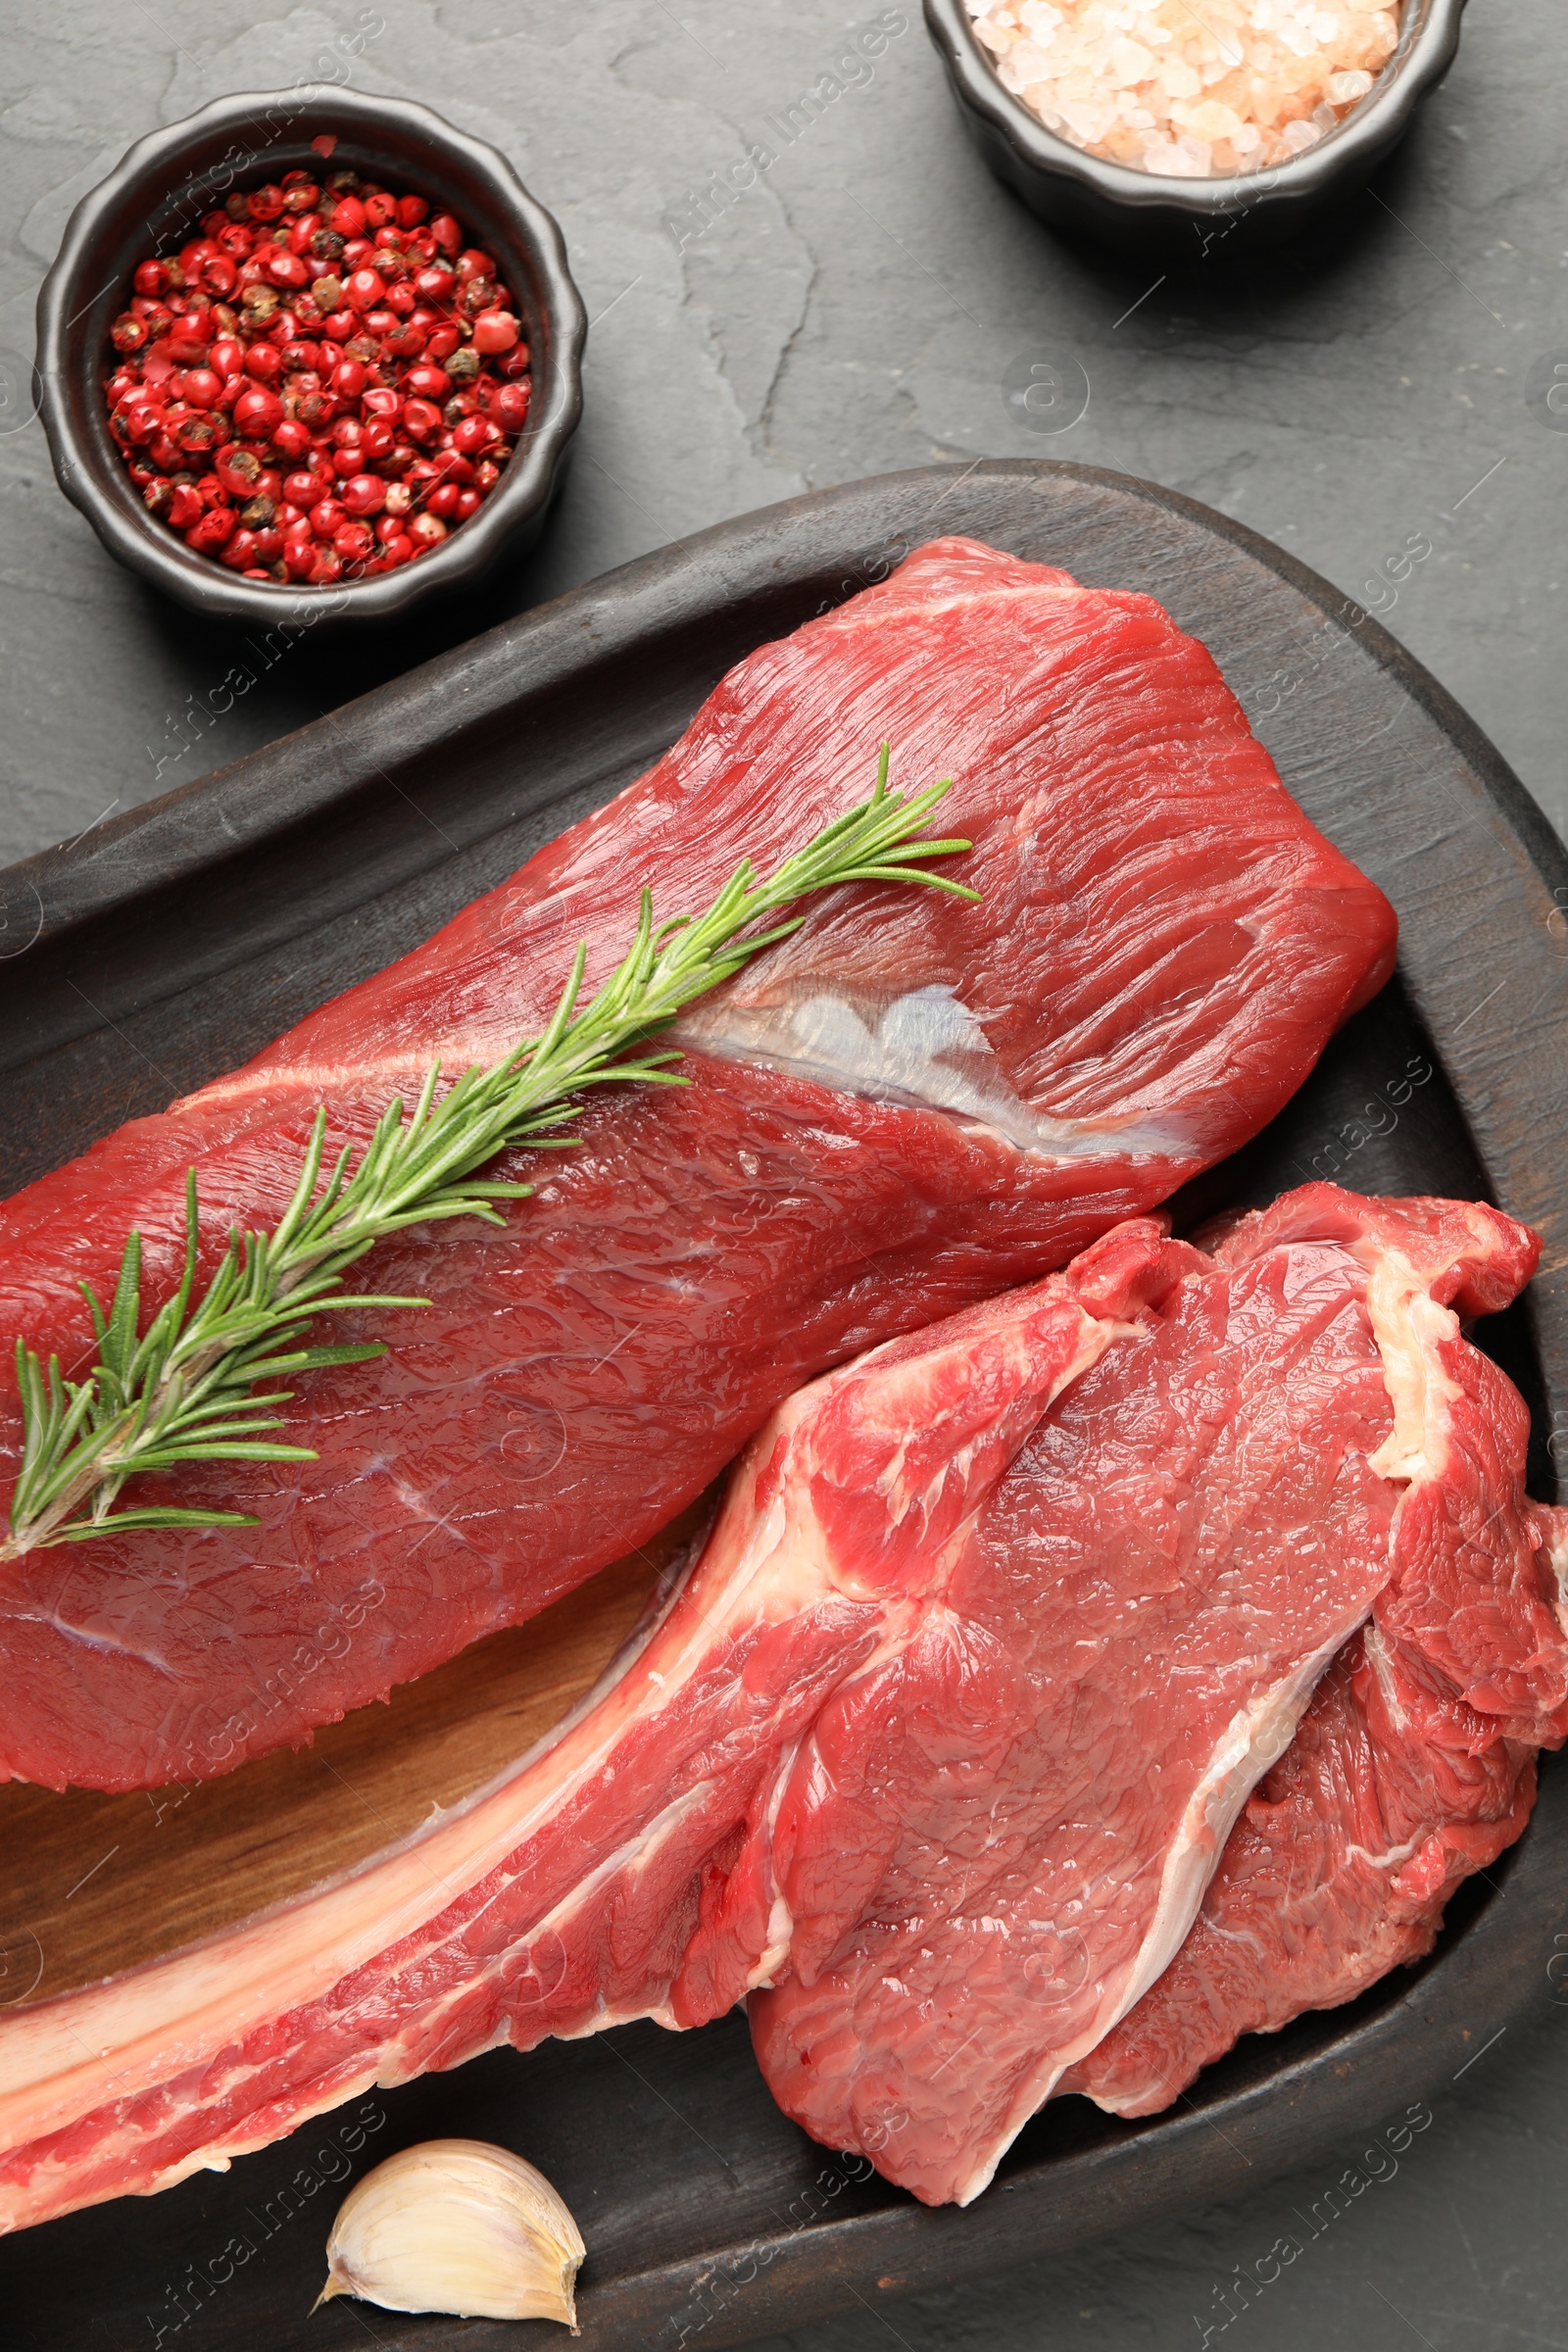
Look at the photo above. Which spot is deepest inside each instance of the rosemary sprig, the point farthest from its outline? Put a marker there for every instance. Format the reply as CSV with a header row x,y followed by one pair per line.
x,y
186,1389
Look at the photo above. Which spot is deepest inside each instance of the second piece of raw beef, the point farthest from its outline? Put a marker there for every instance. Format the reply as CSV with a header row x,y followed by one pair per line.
x,y
909,1105
1413,1766
938,1745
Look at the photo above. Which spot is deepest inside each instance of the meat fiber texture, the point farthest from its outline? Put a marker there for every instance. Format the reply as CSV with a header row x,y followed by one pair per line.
x,y
937,1745
1413,1767
911,1106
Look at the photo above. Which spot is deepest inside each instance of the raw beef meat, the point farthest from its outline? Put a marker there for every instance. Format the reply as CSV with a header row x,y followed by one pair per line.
x,y
936,1747
910,1106
1413,1766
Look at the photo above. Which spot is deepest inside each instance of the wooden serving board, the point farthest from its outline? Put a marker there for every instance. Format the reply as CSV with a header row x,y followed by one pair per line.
x,y
177,941
91,1885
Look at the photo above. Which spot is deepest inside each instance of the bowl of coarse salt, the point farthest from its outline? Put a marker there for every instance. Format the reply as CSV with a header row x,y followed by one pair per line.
x,y
1166,127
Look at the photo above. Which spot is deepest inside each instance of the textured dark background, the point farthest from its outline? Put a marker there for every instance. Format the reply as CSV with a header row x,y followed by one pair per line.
x,y
1358,402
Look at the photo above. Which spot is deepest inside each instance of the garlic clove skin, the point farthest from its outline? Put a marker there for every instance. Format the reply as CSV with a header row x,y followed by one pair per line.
x,y
456,2226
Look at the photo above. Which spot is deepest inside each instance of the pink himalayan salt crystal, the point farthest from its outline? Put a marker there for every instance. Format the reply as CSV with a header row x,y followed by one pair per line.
x,y
1239,87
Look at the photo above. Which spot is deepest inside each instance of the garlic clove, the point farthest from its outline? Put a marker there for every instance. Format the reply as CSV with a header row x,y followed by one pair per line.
x,y
456,2226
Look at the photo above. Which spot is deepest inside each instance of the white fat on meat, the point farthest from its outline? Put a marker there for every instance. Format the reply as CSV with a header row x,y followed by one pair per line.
x,y
1377,1657
924,1049
1556,1538
1255,1740
1409,1325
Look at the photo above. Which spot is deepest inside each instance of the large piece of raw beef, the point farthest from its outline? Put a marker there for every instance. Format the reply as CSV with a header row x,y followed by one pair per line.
x,y
910,1106
941,1737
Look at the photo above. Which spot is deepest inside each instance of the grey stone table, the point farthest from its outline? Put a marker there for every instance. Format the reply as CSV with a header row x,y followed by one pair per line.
x,y
854,314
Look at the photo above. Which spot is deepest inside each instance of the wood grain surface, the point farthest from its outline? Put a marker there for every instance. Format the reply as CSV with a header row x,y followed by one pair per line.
x,y
178,940
93,1885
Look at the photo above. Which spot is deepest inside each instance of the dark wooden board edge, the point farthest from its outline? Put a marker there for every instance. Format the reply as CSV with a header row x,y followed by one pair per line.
x,y
1067,2181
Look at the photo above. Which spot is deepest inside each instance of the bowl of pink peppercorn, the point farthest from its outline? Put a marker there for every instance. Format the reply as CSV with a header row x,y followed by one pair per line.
x,y
310,357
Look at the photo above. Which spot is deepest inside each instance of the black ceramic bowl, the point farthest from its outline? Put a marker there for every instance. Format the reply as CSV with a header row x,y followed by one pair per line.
x,y
1137,211
151,203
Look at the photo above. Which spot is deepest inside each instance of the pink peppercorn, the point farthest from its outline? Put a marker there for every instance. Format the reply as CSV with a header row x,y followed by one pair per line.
x,y
258,412
494,332
208,535
364,494
304,366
